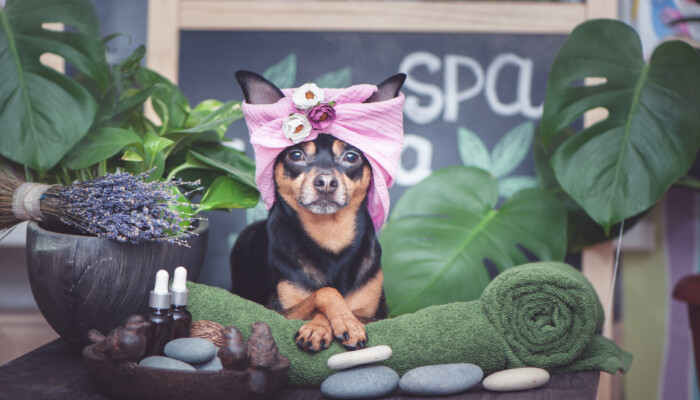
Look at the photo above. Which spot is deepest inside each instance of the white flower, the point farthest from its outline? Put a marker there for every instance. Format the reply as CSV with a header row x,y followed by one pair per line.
x,y
307,96
296,127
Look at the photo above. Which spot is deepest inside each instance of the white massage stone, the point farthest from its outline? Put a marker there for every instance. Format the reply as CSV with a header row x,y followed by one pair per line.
x,y
359,357
516,379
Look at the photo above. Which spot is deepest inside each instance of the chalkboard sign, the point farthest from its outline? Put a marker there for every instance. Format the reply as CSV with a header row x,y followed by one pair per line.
x,y
477,73
470,98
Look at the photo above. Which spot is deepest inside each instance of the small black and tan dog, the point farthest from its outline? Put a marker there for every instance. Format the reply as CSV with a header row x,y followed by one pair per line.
x,y
316,257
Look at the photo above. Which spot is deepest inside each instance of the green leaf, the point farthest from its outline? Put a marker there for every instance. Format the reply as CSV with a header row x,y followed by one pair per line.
x,y
335,79
201,111
510,185
218,160
99,145
284,73
472,150
113,36
230,156
172,99
129,68
228,193
622,165
205,108
434,246
222,117
511,150
153,144
581,230
243,175
45,113
131,155
182,205
154,163
205,176
134,101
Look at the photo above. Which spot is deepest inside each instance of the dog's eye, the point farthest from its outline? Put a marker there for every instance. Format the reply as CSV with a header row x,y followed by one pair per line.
x,y
296,155
352,158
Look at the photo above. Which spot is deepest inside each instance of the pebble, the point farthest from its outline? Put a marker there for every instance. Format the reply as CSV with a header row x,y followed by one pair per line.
x,y
359,357
190,350
440,380
165,363
361,383
516,379
213,365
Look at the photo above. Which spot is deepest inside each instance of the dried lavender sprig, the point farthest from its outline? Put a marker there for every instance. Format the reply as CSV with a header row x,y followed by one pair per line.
x,y
121,207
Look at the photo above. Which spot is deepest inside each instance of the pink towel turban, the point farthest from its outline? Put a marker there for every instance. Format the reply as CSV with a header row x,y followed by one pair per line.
x,y
376,129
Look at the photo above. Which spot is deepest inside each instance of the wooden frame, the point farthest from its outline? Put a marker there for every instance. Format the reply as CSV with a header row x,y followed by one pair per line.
x,y
168,17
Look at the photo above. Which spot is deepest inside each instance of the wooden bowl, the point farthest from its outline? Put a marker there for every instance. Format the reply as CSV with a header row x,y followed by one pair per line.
x,y
130,381
81,282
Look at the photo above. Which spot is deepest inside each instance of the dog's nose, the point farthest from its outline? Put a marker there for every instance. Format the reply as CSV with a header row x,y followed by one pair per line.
x,y
325,183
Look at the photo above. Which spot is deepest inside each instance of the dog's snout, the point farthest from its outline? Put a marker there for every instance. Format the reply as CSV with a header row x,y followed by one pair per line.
x,y
326,183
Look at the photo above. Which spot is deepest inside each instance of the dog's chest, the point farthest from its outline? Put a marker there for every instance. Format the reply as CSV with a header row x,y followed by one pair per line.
x,y
342,273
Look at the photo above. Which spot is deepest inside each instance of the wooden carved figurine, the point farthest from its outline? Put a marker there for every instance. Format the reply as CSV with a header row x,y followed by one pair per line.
x,y
234,352
124,343
263,354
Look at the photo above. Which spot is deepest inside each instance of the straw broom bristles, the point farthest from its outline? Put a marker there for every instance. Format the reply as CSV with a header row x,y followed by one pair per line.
x,y
8,185
119,206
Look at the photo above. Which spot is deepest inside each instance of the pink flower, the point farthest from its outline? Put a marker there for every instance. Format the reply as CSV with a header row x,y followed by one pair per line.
x,y
321,116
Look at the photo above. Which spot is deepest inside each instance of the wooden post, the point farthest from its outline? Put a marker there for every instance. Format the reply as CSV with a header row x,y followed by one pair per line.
x,y
163,42
597,265
598,261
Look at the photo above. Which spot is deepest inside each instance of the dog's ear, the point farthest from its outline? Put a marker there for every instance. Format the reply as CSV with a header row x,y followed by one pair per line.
x,y
256,89
388,89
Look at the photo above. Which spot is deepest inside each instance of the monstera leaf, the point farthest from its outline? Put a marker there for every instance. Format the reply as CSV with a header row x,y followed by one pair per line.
x,y
45,113
581,230
622,165
443,229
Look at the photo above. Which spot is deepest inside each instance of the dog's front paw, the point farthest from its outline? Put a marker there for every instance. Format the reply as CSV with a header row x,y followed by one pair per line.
x,y
349,331
315,335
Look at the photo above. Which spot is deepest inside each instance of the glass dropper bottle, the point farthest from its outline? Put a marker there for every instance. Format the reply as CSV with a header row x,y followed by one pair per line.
x,y
161,327
182,319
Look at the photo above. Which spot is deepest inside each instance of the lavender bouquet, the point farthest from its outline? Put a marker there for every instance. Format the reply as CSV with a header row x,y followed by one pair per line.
x,y
119,206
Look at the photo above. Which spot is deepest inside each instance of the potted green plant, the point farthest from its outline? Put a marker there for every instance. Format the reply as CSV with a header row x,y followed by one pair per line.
x,y
435,249
59,129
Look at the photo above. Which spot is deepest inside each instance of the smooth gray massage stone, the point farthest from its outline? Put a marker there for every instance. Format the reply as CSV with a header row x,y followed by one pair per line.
x,y
165,363
440,380
361,383
190,350
516,379
213,365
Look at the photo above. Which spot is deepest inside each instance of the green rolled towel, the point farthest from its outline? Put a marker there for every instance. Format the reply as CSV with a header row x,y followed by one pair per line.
x,y
543,315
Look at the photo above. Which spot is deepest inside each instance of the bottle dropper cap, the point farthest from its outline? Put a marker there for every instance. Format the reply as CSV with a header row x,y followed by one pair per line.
x,y
180,293
160,296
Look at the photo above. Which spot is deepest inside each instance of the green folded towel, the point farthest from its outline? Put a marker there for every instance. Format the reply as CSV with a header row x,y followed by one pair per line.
x,y
542,315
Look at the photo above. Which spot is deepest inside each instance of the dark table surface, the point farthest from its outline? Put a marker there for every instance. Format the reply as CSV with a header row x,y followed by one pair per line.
x,y
56,371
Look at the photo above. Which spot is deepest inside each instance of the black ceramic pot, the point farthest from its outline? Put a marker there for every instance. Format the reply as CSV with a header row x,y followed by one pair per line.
x,y
83,282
